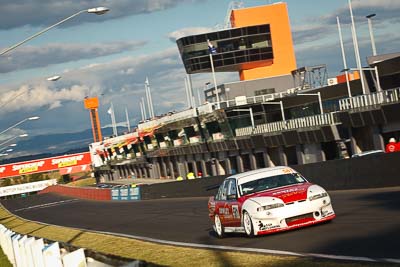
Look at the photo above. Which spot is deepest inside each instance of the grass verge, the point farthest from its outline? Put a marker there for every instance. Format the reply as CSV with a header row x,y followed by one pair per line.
x,y
83,182
159,254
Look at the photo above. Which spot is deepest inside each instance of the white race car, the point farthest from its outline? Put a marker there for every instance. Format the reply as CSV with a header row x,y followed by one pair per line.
x,y
266,201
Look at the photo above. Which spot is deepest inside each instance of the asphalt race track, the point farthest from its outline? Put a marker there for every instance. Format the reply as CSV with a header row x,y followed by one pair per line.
x,y
367,222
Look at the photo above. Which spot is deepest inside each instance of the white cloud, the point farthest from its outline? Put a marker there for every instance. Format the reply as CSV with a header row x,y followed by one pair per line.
x,y
173,36
46,12
28,57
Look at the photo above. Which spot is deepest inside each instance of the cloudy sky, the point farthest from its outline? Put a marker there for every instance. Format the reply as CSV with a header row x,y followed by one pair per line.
x,y
111,55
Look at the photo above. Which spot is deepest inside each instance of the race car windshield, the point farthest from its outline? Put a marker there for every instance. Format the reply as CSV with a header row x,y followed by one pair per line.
x,y
270,182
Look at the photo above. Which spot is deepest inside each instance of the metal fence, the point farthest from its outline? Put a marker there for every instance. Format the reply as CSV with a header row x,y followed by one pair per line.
x,y
305,122
374,99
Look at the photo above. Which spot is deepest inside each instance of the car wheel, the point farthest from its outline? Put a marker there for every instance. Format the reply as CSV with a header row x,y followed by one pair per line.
x,y
248,224
219,228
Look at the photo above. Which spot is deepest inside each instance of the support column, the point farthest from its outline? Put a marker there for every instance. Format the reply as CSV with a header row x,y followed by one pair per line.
x,y
282,156
379,142
171,168
239,162
164,167
253,161
228,165
267,159
203,168
300,154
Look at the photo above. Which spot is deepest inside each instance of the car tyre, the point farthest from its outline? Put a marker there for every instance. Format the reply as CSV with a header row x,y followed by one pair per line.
x,y
218,227
248,224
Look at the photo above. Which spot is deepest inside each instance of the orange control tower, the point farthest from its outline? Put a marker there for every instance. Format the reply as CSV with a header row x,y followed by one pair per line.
x,y
92,105
276,15
258,45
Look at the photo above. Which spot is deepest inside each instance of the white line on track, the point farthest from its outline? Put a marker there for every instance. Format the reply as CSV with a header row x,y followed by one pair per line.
x,y
48,204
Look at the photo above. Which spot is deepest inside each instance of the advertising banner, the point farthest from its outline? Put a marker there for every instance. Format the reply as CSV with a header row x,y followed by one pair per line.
x,y
26,188
44,165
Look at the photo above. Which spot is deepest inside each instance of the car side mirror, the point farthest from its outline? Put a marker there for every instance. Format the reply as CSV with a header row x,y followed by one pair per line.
x,y
232,197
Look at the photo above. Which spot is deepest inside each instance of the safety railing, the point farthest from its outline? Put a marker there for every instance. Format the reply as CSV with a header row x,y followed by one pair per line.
x,y
298,123
374,99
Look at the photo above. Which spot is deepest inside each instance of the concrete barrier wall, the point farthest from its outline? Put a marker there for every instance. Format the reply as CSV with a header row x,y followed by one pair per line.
x,y
79,192
187,188
376,170
379,170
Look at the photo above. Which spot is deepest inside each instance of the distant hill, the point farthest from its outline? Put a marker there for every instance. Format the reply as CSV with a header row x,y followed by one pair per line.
x,y
43,146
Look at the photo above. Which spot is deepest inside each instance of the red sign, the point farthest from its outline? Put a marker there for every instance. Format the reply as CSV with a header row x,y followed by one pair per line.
x,y
44,165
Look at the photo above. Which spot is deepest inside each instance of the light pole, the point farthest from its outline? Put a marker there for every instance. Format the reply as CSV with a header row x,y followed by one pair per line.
x,y
343,56
54,78
212,51
319,100
371,33
12,138
356,48
375,69
96,10
18,123
251,115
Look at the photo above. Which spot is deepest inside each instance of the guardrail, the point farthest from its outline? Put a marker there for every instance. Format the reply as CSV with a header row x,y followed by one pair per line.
x,y
305,122
374,99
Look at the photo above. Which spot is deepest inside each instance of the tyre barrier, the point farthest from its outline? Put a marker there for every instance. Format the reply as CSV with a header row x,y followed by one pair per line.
x,y
23,250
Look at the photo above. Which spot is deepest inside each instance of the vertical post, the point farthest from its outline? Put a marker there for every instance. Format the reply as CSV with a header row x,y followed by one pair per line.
x,y
144,108
252,118
187,93
215,81
320,103
371,34
147,99
283,112
357,50
378,83
141,110
127,120
113,120
150,98
344,57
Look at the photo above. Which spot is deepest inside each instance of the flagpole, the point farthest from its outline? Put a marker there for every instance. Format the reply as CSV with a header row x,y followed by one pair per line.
x,y
215,80
356,48
187,93
147,99
141,109
144,109
127,120
150,97
113,120
344,56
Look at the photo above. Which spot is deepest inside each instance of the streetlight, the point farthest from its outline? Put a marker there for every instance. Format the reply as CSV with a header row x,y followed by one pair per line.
x,y
12,138
378,84
343,56
319,99
371,33
96,10
54,78
356,48
251,115
18,123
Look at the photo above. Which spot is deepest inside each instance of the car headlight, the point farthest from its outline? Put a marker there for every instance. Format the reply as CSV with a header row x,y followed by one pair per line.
x,y
318,196
270,206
